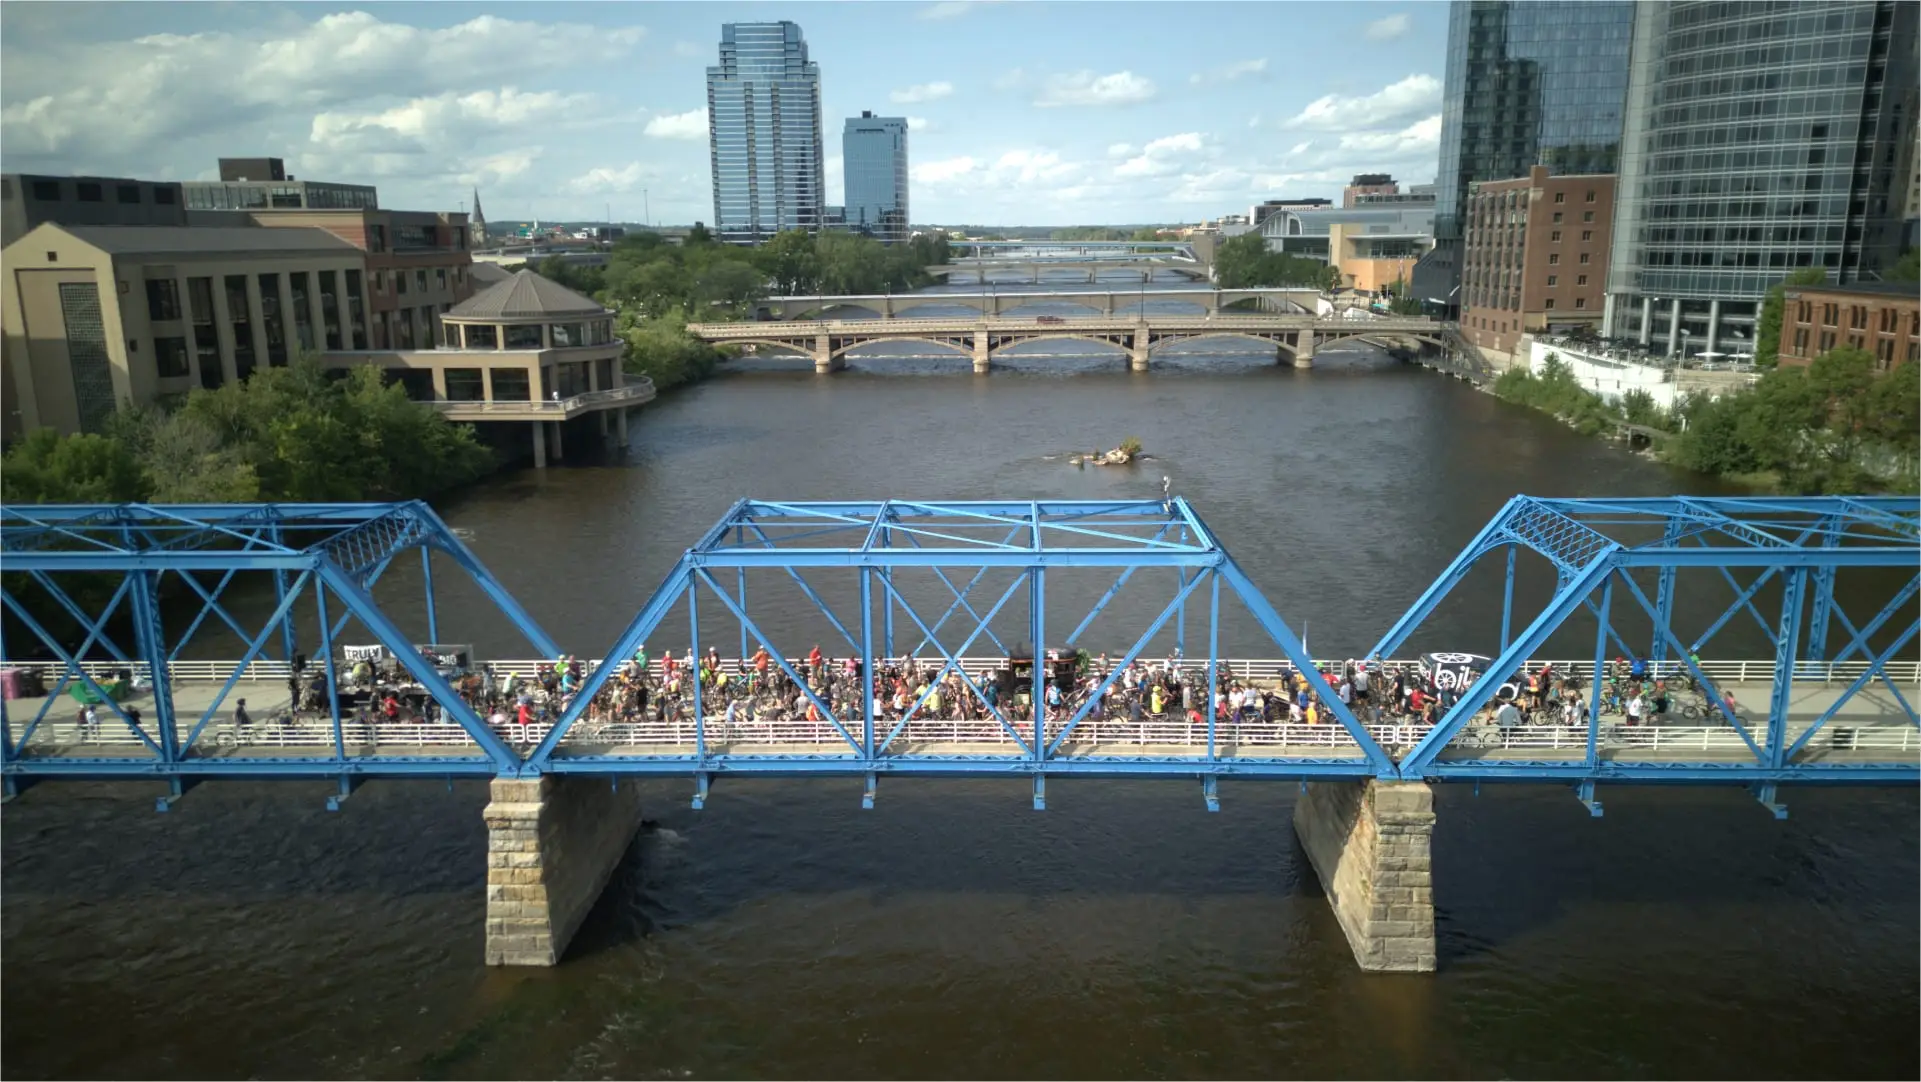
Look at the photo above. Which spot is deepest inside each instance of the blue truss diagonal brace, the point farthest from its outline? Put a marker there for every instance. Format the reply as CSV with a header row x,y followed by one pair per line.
x,y
960,599
1490,537
1133,652
754,630
212,604
73,664
1415,764
953,664
73,610
1877,665
66,675
651,614
819,602
1714,693
253,650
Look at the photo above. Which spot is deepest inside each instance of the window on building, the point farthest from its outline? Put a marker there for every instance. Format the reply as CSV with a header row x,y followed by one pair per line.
x,y
330,309
163,196
1801,340
420,280
400,283
1580,279
1560,197
1584,258
170,358
163,299
1557,217
1887,321
302,309
1555,236
569,334
46,191
510,384
1554,259
1884,350
1587,215
1553,279
523,336
1587,235
240,323
376,238
1580,302
440,279
465,385
206,339
89,192
274,320
1830,315
404,328
1590,195
1827,341
482,336
356,310
1550,304
128,193
1858,318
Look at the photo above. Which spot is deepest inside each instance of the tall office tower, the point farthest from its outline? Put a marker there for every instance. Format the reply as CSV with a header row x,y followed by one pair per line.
x,y
874,155
1537,83
763,133
1761,138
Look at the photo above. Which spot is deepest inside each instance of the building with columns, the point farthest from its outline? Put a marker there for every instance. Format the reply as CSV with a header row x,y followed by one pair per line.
x,y
101,317
97,317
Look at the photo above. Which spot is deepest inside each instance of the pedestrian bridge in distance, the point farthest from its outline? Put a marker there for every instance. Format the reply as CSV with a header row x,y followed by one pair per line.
x,y
1293,337
1056,267
1287,300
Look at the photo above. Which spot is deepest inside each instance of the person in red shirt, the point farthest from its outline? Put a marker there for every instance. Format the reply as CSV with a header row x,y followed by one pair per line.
x,y
761,660
813,658
1417,702
524,714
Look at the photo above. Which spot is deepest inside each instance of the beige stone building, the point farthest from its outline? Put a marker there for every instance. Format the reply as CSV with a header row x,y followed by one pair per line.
x,y
96,317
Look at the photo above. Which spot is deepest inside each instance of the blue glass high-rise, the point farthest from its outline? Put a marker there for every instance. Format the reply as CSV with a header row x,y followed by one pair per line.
x,y
874,156
764,133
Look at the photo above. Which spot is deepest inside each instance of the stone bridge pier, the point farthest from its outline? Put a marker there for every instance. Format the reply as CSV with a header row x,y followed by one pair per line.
x,y
824,359
1370,842
552,844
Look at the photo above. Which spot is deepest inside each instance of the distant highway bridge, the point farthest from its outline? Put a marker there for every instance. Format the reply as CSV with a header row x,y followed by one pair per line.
x,y
1104,301
1092,267
1293,337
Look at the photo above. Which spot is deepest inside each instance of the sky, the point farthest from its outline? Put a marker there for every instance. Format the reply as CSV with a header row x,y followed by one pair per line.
x,y
1023,113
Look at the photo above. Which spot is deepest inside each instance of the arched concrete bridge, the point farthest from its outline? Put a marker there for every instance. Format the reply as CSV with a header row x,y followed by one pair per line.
x,y
1104,301
1090,267
1294,338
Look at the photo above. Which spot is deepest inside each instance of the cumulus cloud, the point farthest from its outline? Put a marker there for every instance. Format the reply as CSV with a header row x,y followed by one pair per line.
x,y
130,102
918,123
1414,96
611,180
1119,150
1227,73
947,9
691,124
688,49
1163,156
1387,29
941,172
914,95
1087,88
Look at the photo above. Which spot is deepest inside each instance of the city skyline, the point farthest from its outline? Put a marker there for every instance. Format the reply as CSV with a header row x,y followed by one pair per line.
x,y
572,111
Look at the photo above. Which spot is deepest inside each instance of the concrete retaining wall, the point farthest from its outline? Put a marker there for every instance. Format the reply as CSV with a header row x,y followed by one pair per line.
x,y
551,845
1370,844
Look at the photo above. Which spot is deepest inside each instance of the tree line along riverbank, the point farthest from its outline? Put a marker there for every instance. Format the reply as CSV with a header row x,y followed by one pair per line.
x,y
1836,426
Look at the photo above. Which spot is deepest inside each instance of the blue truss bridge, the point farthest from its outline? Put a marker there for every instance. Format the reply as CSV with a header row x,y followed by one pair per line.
x,y
1833,705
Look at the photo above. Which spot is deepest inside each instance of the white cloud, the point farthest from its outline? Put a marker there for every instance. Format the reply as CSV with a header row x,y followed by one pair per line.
x,y
1120,150
918,123
1421,134
1387,29
1087,88
132,103
914,95
1169,154
691,124
1414,96
1011,80
1227,73
688,49
608,180
1301,148
1254,121
941,172
947,9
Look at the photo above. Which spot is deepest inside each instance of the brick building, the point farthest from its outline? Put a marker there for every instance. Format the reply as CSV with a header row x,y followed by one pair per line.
x,y
1534,256
1879,317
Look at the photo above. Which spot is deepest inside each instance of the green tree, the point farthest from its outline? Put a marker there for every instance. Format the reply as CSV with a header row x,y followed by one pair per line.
x,y
728,284
575,276
1767,332
698,235
1907,268
661,349
790,259
47,467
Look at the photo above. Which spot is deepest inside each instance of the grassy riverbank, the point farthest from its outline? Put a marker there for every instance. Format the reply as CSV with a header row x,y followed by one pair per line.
x,y
1836,426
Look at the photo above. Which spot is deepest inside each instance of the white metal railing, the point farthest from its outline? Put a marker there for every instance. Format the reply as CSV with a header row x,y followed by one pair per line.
x,y
960,325
642,390
1104,736
1739,671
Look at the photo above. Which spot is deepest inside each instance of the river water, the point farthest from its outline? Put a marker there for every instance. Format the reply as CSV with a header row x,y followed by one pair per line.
x,y
952,931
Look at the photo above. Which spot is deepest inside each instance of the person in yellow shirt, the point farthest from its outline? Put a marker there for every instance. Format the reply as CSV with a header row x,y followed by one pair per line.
x,y
1155,704
1313,714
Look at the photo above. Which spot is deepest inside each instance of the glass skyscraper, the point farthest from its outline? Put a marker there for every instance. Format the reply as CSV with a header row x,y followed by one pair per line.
x,y
1542,82
1761,138
764,134
874,154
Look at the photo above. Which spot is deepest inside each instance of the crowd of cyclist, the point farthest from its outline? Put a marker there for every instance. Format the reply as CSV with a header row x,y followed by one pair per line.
x,y
815,687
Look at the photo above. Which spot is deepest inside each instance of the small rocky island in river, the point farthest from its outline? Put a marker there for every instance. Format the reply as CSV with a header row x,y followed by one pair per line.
x,y
1125,454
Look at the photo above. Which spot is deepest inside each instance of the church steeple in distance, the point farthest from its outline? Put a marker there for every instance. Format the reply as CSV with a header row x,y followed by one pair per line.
x,y
476,225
